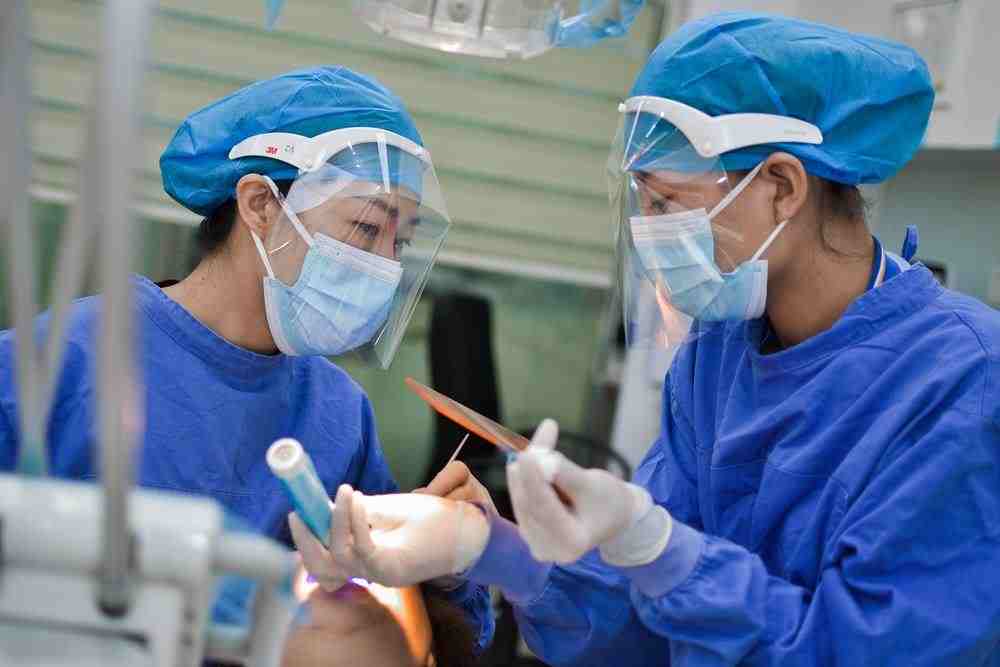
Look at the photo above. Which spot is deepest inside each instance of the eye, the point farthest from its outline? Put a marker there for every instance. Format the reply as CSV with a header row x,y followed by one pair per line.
x,y
402,243
368,230
659,205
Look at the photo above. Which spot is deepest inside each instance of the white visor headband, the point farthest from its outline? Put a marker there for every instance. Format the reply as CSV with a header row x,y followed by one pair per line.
x,y
308,153
712,136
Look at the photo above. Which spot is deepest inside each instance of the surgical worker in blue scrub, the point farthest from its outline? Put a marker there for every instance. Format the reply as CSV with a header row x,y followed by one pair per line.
x,y
826,487
323,216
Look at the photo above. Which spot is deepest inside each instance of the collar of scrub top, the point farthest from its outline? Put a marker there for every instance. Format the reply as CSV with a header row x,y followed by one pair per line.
x,y
309,153
712,136
878,272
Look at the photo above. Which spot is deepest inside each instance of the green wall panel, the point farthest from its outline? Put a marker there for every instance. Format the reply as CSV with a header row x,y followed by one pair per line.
x,y
520,149
519,146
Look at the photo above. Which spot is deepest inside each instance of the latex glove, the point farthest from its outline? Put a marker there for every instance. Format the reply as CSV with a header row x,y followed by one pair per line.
x,y
394,540
456,482
596,508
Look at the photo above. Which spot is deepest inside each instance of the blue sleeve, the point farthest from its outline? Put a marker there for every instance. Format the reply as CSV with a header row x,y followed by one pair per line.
x,y
474,601
369,472
8,401
909,575
69,431
574,615
8,441
582,614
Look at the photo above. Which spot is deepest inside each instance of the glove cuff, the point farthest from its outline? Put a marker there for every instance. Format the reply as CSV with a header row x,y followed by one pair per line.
x,y
471,536
507,563
643,541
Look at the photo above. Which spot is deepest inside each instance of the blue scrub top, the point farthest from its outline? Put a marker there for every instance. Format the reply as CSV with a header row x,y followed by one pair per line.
x,y
836,502
212,410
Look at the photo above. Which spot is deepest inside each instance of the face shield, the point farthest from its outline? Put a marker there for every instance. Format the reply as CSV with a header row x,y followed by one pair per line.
x,y
677,259
353,243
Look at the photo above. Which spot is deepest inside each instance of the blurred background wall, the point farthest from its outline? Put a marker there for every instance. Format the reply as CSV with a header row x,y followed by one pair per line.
x,y
521,149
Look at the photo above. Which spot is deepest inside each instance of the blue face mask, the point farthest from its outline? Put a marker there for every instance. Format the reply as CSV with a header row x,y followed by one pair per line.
x,y
340,301
678,250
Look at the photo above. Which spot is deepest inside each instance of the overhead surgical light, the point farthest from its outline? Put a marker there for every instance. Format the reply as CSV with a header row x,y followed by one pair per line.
x,y
493,28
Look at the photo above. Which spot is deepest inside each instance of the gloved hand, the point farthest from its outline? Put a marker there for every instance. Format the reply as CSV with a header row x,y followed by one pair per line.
x,y
394,540
456,482
596,509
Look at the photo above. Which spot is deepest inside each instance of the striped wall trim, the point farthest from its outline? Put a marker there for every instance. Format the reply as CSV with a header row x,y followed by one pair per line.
x,y
230,81
151,120
455,66
182,216
52,193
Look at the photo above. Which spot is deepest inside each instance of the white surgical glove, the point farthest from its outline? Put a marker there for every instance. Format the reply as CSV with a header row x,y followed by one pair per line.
x,y
393,540
563,511
456,482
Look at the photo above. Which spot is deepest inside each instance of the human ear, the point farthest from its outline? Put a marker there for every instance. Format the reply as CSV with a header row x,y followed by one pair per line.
x,y
791,185
256,204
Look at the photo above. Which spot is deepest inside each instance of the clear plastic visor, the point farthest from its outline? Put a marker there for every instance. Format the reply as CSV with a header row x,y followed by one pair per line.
x,y
379,211
663,193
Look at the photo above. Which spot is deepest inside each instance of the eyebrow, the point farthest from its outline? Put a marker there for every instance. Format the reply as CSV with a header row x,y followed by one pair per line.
x,y
391,211
651,183
658,186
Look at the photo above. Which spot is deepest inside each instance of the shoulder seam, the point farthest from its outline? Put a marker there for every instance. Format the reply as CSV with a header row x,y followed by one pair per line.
x,y
988,353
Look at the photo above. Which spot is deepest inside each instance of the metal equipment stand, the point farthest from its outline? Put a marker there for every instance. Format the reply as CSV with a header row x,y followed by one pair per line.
x,y
102,575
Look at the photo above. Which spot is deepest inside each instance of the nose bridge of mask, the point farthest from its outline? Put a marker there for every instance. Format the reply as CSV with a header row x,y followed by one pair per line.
x,y
380,268
376,266
666,227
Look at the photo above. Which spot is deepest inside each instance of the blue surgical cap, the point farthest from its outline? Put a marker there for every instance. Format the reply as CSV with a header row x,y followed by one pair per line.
x,y
196,168
871,98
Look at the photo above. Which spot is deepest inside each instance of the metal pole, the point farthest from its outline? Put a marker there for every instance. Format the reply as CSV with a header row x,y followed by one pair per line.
x,y
76,245
116,105
15,177
74,248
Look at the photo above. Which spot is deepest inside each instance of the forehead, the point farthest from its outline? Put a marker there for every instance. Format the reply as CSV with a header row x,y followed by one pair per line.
x,y
680,180
314,188
394,203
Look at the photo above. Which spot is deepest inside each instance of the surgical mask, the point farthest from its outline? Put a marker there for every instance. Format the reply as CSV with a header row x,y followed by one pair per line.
x,y
340,300
679,250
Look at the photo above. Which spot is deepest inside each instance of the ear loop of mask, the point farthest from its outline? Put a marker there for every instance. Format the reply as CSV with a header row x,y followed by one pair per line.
x,y
296,223
767,243
735,192
728,199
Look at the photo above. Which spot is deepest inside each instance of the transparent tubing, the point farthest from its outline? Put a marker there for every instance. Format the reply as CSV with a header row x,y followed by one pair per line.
x,y
121,63
15,175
